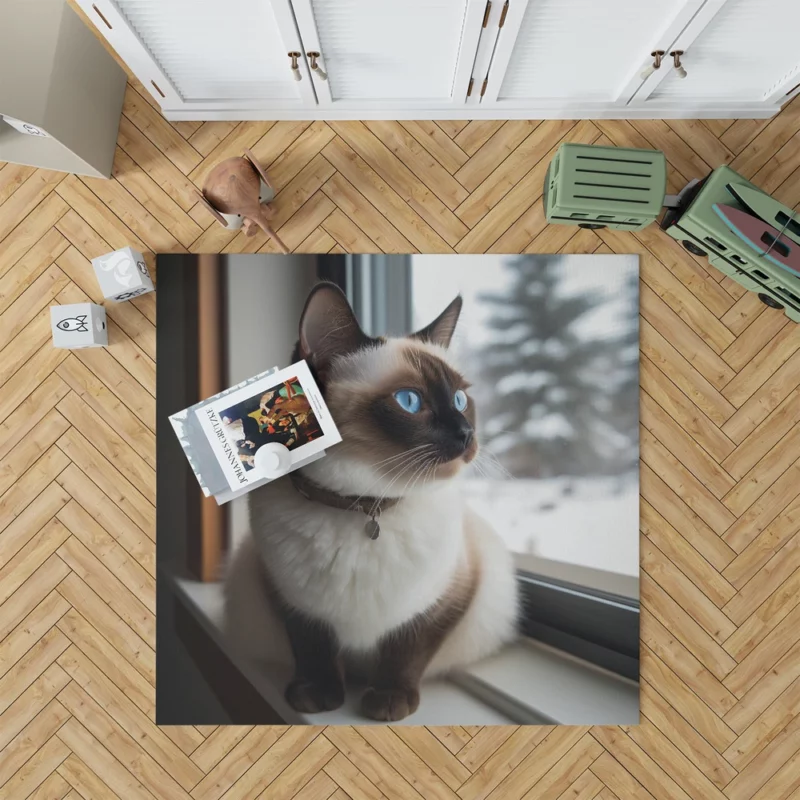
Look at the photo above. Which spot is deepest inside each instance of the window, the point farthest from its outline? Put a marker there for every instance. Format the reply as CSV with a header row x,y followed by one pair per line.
x,y
551,346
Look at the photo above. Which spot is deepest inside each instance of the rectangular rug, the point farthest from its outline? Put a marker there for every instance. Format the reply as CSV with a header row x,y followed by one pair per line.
x,y
467,554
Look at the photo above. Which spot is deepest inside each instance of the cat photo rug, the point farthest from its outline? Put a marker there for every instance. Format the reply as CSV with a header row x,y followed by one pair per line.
x,y
457,540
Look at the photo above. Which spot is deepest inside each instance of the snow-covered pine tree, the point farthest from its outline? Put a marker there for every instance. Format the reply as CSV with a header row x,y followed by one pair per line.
x,y
547,405
624,385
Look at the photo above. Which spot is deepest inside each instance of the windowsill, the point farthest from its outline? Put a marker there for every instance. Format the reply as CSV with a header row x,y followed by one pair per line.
x,y
544,686
527,683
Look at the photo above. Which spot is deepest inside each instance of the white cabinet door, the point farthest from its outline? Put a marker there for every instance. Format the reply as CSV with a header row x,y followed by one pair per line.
x,y
578,54
208,54
735,51
390,54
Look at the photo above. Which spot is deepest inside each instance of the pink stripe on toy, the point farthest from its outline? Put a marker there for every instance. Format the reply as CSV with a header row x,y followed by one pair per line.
x,y
763,238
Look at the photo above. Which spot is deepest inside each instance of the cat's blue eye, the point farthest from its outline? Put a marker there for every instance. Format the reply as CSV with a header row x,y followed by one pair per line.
x,y
460,400
408,400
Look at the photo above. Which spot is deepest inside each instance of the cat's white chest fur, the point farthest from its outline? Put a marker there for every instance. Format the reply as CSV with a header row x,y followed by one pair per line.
x,y
323,562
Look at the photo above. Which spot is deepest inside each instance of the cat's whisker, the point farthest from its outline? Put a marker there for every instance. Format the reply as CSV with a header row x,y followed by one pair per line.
x,y
479,464
488,459
407,488
426,468
478,467
430,472
404,457
418,463
405,465
400,455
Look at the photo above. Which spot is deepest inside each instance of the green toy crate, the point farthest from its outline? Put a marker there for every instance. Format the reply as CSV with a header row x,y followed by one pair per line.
x,y
702,232
605,187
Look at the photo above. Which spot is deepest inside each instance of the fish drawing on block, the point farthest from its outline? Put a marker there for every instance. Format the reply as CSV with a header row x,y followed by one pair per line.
x,y
763,238
77,324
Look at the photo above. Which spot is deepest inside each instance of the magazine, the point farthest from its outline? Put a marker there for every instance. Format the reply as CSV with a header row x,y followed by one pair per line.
x,y
285,407
222,435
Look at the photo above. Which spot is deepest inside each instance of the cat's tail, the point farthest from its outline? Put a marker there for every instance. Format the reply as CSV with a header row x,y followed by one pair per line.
x,y
251,625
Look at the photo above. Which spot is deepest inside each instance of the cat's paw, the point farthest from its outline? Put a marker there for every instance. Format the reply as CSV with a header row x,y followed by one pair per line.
x,y
390,705
311,697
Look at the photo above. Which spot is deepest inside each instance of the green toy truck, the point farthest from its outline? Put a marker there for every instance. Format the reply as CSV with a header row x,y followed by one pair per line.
x,y
622,188
699,228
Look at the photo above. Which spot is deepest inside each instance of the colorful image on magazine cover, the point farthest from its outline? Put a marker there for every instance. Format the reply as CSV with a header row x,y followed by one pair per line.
x,y
281,414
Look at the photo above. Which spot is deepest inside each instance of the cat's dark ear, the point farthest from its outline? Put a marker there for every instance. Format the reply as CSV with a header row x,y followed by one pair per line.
x,y
328,327
441,330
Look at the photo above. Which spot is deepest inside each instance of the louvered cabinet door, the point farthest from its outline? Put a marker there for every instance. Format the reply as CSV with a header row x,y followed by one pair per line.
x,y
390,54
208,54
734,52
576,54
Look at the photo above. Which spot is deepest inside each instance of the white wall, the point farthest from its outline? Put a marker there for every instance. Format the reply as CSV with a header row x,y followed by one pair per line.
x,y
266,294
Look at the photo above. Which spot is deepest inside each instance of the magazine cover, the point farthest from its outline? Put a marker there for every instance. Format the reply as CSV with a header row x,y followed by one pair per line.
x,y
285,407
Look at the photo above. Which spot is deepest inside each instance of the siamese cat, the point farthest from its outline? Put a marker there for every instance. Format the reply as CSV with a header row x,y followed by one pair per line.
x,y
436,589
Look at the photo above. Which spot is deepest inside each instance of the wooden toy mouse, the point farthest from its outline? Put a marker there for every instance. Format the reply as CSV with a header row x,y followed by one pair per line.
x,y
234,196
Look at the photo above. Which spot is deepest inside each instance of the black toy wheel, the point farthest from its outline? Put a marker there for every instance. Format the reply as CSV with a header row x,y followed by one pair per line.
x,y
592,226
693,248
769,301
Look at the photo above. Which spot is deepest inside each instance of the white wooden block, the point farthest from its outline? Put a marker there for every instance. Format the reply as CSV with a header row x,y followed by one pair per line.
x,y
122,275
78,325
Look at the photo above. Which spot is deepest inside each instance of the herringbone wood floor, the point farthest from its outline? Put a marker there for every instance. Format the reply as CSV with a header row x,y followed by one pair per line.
x,y
720,471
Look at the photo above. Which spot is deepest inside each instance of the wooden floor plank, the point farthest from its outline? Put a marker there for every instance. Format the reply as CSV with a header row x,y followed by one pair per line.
x,y
761,696
120,471
30,267
509,140
437,143
392,170
108,586
658,712
168,141
120,744
692,633
419,161
681,589
689,524
683,555
152,197
107,778
234,763
347,162
686,666
513,176
12,176
109,624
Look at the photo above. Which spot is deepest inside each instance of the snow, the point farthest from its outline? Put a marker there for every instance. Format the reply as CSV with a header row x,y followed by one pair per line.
x,y
595,526
550,426
524,380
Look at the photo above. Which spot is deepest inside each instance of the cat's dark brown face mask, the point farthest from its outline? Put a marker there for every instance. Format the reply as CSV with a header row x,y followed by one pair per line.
x,y
398,403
